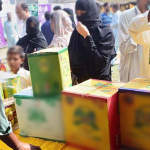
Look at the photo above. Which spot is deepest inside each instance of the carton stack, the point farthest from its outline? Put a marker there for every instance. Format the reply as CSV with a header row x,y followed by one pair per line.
x,y
9,85
134,101
39,112
91,115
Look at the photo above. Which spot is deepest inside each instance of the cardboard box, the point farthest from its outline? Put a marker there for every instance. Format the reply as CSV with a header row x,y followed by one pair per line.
x,y
1,91
11,87
50,71
134,100
91,115
10,84
68,147
40,118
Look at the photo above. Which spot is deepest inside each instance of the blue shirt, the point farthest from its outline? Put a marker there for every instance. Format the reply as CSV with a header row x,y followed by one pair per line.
x,y
46,30
106,19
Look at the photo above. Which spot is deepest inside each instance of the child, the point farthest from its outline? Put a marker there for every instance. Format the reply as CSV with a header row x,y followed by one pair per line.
x,y
15,59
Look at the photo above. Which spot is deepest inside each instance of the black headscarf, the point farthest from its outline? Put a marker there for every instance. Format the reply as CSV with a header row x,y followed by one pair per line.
x,y
1,3
33,40
91,18
71,15
81,59
57,8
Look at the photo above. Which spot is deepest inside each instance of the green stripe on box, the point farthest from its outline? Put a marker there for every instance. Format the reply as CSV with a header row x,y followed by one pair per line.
x,y
62,50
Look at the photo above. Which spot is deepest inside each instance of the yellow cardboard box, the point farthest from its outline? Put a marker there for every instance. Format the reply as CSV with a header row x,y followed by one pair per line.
x,y
134,100
11,87
91,115
1,91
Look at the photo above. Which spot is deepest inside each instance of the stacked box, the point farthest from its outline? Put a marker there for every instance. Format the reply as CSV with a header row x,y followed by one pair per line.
x,y
39,117
50,71
134,99
10,84
9,114
11,87
1,91
91,115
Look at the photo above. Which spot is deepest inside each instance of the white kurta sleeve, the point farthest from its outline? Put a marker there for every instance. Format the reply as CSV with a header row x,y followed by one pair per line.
x,y
116,21
137,28
126,43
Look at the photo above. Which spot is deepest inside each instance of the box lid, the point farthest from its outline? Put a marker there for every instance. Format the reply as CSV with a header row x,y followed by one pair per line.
x,y
50,51
4,76
26,93
95,88
141,85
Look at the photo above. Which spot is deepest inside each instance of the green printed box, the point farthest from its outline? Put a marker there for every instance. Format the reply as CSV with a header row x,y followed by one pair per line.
x,y
39,117
50,71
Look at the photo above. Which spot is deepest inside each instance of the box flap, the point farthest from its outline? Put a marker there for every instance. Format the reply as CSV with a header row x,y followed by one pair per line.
x,y
56,50
6,76
26,93
95,88
137,85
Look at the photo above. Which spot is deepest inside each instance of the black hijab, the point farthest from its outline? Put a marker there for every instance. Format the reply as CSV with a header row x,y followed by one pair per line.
x,y
103,37
34,38
71,15
91,18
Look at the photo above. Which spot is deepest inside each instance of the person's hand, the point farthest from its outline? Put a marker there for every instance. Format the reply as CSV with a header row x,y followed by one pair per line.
x,y
24,146
82,29
6,39
34,50
13,142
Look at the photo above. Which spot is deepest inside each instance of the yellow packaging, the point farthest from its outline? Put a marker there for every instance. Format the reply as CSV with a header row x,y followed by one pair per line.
x,y
91,115
134,101
1,91
13,107
8,110
11,87
9,114
67,147
14,114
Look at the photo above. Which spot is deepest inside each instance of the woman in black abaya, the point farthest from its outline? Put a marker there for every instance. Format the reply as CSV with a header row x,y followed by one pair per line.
x,y
91,47
34,40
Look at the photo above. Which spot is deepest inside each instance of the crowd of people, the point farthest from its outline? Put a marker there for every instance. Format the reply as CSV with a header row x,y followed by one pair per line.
x,y
93,44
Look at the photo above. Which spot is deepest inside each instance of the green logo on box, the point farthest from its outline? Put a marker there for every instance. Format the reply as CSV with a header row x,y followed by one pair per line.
x,y
18,101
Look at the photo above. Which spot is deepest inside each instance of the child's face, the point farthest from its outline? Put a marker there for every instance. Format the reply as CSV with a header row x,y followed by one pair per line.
x,y
14,61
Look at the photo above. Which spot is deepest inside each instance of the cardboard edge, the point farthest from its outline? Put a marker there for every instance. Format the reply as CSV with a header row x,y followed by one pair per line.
x,y
46,53
137,91
103,99
61,141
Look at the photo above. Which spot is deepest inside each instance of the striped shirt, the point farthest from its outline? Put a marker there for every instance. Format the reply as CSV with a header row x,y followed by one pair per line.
x,y
106,19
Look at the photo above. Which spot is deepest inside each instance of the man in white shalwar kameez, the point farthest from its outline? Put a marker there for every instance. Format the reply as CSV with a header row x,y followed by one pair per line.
x,y
132,62
139,30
